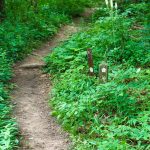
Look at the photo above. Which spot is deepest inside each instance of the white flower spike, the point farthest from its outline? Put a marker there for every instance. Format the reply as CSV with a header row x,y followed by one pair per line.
x,y
116,5
111,4
106,1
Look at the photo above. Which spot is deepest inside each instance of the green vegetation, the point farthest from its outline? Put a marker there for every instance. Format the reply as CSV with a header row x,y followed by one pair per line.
x,y
23,26
8,129
114,115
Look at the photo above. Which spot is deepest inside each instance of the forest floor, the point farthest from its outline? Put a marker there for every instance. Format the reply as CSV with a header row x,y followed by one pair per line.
x,y
39,130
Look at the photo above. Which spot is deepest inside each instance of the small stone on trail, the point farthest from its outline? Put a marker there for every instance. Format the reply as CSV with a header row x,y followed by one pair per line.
x,y
43,76
33,65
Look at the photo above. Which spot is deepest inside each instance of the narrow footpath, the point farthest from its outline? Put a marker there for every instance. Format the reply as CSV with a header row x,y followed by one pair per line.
x,y
38,128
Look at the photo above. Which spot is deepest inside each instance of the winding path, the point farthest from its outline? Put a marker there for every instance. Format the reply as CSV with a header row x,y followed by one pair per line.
x,y
38,129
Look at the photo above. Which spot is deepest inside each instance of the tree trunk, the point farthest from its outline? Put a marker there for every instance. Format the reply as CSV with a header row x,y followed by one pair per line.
x,y
1,5
1,9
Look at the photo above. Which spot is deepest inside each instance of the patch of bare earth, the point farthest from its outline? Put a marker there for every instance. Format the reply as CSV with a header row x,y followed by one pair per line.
x,y
37,127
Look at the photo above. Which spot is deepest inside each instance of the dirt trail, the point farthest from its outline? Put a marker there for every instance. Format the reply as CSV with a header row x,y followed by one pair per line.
x,y
38,128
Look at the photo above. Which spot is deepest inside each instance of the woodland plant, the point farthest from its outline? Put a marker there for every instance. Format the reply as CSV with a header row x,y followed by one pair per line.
x,y
8,128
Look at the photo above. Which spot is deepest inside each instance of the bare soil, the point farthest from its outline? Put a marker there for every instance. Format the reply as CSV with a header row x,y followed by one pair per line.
x,y
30,97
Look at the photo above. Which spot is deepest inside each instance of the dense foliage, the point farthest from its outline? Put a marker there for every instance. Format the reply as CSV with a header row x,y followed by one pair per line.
x,y
24,25
8,129
114,115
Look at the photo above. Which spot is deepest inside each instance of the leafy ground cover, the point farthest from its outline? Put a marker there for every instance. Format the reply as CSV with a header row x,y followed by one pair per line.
x,y
25,25
114,115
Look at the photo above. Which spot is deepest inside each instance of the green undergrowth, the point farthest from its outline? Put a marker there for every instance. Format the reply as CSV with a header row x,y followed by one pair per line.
x,y
114,115
25,25
8,130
